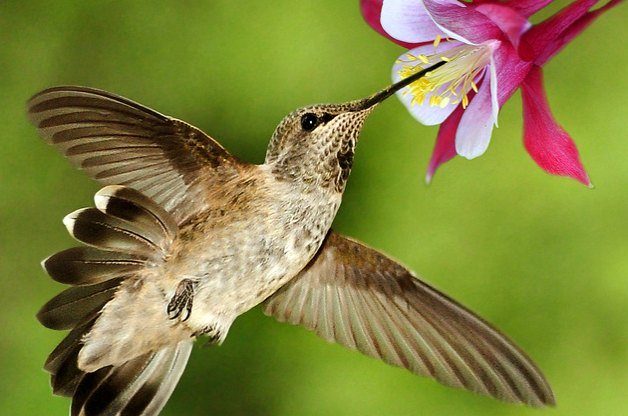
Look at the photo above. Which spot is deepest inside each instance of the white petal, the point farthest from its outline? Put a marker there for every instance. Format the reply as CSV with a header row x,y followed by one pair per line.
x,y
425,113
408,21
476,124
494,81
448,33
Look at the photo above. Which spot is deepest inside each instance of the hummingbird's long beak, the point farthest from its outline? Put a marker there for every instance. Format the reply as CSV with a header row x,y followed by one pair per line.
x,y
380,96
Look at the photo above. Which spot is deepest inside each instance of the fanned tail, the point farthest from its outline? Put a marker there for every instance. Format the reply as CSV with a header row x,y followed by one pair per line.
x,y
140,386
123,356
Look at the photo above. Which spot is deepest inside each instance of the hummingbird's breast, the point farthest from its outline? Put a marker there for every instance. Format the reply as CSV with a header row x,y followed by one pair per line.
x,y
256,235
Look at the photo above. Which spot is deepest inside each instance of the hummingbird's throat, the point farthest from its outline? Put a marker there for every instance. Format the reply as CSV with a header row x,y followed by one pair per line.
x,y
448,84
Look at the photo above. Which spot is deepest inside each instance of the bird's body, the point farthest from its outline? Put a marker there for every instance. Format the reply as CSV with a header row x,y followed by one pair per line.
x,y
187,237
256,233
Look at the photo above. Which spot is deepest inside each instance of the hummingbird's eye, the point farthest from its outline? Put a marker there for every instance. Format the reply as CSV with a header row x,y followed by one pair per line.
x,y
309,121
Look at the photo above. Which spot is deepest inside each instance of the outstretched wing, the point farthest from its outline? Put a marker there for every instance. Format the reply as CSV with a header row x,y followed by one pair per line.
x,y
117,141
356,296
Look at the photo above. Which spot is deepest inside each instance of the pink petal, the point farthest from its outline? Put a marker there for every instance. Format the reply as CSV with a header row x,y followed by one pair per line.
x,y
574,30
527,7
461,22
371,11
408,21
510,71
423,113
476,125
537,43
512,23
548,144
445,146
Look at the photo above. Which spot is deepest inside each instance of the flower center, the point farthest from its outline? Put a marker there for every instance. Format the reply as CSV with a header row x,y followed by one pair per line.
x,y
450,83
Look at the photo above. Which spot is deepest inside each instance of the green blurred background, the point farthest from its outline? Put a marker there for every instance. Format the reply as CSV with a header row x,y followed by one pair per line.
x,y
542,257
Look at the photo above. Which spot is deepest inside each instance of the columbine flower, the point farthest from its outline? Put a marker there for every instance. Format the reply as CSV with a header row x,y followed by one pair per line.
x,y
491,49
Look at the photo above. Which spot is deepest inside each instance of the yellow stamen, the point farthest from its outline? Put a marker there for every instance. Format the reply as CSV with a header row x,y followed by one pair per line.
x,y
437,41
450,83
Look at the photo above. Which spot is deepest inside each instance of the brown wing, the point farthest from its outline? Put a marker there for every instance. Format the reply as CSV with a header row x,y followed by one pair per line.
x,y
117,141
356,296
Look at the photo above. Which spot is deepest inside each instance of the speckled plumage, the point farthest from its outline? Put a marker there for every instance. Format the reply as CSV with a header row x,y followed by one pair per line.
x,y
187,238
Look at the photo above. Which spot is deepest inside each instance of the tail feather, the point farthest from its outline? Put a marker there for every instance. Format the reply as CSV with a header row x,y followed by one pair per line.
x,y
62,363
139,387
122,355
132,206
71,342
89,266
154,394
95,228
88,384
70,307
67,376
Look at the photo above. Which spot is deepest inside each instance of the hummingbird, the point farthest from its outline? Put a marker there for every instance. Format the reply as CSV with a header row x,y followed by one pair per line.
x,y
185,237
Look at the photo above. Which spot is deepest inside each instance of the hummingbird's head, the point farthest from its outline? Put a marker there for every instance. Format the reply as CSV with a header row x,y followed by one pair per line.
x,y
316,144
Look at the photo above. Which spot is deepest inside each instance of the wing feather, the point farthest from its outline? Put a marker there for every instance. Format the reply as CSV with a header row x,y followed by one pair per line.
x,y
117,141
353,295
